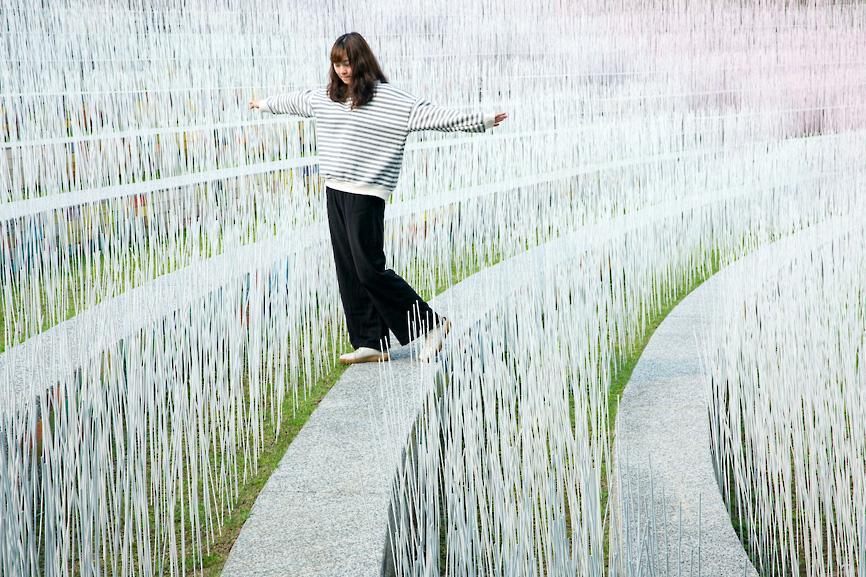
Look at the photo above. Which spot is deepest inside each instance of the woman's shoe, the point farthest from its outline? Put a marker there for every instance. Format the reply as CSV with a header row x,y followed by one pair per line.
x,y
364,355
433,341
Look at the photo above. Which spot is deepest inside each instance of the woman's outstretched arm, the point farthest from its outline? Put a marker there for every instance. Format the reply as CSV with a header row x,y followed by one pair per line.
x,y
427,116
298,103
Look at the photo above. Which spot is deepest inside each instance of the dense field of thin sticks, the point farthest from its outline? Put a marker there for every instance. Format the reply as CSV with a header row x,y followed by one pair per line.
x,y
167,282
788,412
505,476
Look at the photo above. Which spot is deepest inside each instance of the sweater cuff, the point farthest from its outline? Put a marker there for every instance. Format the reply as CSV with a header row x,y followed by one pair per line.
x,y
264,107
489,120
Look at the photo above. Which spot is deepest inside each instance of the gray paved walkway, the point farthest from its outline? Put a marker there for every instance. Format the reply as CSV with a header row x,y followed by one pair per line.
x,y
662,429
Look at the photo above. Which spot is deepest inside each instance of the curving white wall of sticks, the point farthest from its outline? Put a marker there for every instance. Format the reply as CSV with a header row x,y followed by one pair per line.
x,y
167,282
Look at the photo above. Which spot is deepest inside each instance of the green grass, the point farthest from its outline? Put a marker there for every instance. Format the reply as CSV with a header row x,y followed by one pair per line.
x,y
293,421
626,362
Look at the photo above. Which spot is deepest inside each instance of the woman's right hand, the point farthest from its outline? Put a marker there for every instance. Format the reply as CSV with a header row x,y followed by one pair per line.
x,y
254,103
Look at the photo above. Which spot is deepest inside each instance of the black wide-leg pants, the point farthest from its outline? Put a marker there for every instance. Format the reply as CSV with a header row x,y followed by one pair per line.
x,y
374,299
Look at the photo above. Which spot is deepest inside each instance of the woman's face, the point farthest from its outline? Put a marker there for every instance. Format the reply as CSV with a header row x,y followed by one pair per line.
x,y
344,70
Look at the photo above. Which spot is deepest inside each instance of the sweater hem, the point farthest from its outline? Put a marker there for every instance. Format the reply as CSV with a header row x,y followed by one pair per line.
x,y
358,188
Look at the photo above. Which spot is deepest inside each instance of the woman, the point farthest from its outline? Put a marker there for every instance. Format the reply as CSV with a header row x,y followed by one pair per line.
x,y
361,127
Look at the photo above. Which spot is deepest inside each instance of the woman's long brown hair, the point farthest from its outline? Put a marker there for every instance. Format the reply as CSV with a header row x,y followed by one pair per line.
x,y
365,70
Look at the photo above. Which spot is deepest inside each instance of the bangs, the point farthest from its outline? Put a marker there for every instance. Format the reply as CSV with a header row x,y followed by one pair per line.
x,y
338,54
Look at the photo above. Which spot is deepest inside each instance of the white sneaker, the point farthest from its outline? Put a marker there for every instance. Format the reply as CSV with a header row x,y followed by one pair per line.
x,y
364,355
433,341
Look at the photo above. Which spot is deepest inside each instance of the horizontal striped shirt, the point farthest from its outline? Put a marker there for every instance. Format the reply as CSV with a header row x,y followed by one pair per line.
x,y
361,150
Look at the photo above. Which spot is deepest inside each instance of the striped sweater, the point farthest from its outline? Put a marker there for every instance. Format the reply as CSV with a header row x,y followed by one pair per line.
x,y
361,150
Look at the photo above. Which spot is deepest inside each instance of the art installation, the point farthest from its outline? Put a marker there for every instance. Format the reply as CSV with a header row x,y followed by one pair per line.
x,y
788,437
168,286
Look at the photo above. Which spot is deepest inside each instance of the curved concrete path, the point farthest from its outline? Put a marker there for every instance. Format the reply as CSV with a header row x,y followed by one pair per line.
x,y
667,480
324,511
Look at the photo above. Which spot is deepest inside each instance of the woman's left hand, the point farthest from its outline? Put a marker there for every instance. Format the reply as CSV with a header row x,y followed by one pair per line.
x,y
500,116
